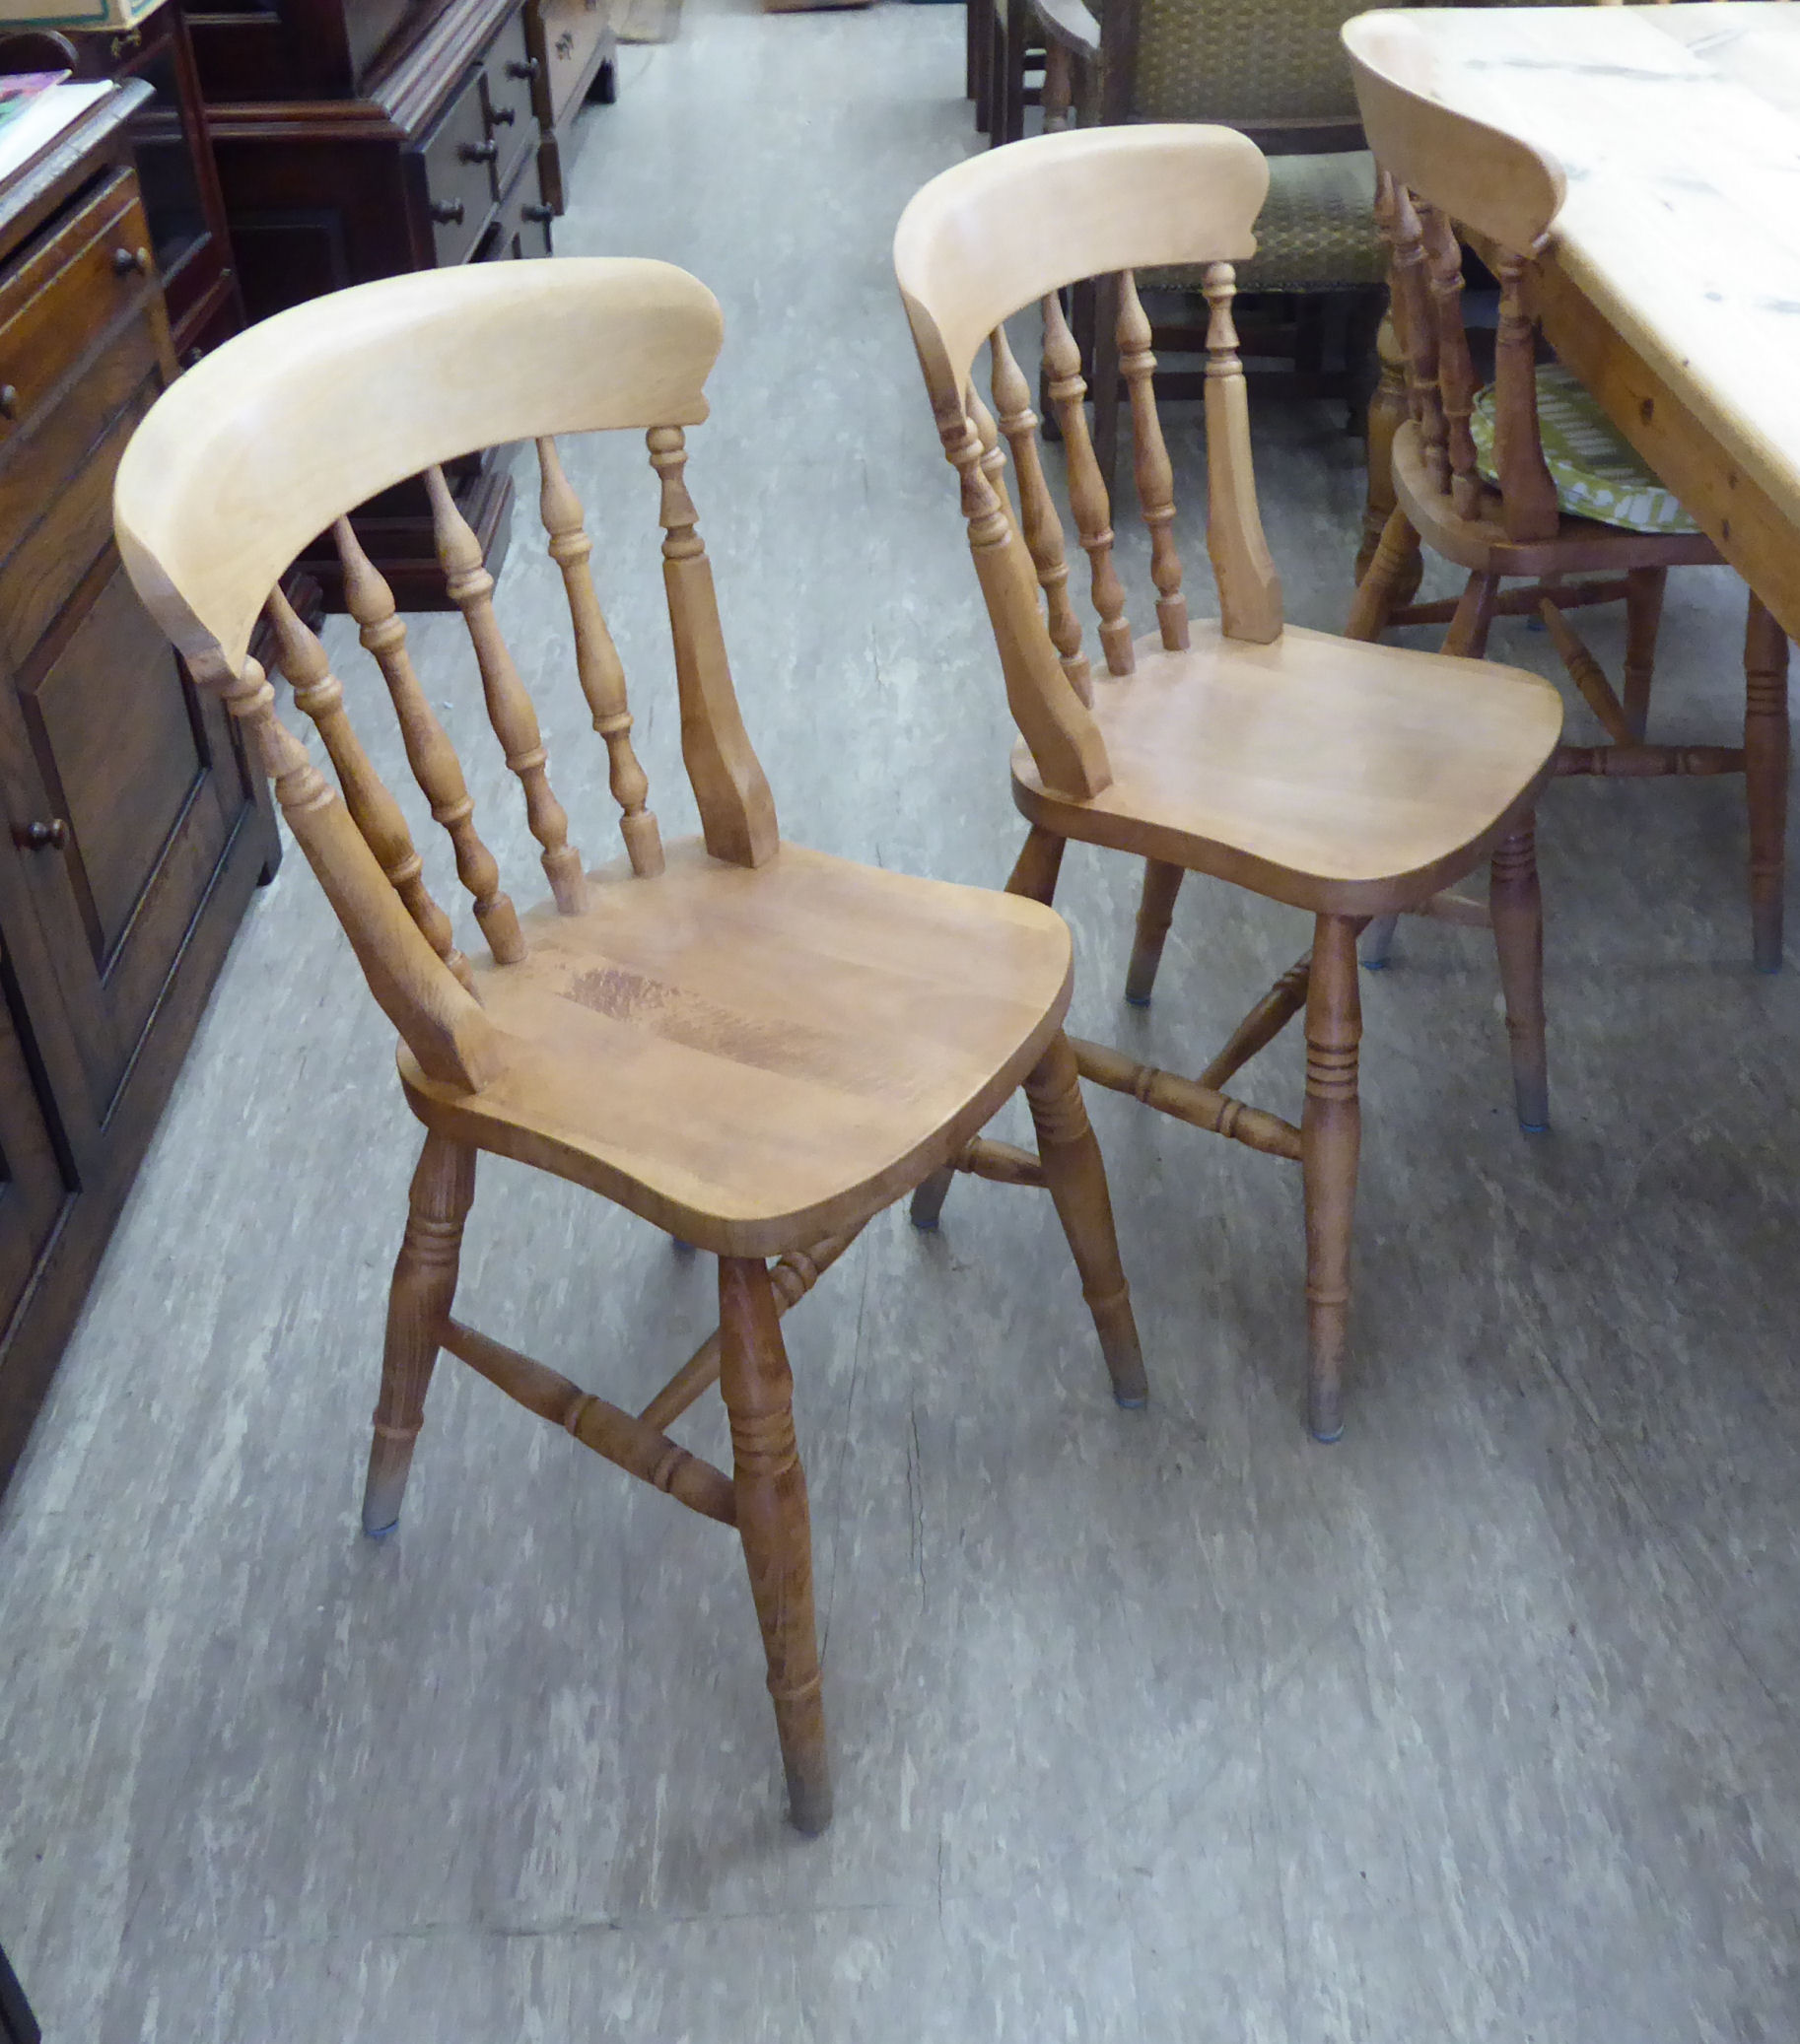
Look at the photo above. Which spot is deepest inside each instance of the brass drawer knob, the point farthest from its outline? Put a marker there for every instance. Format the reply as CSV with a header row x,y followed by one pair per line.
x,y
479,152
446,212
41,837
128,260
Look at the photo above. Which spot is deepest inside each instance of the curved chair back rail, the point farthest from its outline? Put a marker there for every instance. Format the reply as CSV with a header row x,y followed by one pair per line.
x,y
1487,179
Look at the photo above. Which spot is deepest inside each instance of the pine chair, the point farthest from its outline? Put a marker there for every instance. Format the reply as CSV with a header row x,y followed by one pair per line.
x,y
1526,479
754,1046
1347,779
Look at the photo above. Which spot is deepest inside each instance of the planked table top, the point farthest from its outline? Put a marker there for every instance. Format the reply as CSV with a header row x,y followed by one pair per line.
x,y
1679,128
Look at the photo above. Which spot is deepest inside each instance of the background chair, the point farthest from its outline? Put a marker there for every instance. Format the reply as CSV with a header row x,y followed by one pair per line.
x,y
1343,779
1277,75
1524,478
752,1045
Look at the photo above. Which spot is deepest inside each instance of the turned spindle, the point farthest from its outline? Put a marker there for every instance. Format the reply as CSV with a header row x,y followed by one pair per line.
x,y
1066,389
1038,520
1249,588
1155,478
372,808
510,712
429,752
736,809
596,661
1455,370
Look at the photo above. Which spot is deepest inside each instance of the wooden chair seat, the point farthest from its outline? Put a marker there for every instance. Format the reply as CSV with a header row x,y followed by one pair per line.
x,y
756,1058
1479,544
1339,777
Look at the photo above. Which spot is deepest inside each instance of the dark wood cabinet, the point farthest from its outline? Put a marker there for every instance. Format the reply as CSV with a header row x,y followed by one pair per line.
x,y
576,49
133,828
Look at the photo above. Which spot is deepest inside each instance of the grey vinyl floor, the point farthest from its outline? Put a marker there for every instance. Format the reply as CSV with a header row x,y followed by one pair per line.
x,y
1156,1726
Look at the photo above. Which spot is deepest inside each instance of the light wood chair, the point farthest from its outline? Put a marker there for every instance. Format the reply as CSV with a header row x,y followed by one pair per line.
x,y
1344,778
750,1044
1472,481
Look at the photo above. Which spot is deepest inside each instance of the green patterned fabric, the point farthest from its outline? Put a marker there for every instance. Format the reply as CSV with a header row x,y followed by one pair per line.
x,y
1316,231
1243,60
1596,473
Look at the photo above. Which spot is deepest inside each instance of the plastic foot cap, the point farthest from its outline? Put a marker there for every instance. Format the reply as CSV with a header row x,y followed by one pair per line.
x,y
925,1227
1137,1000
1131,1401
1327,1440
379,1533
1534,1128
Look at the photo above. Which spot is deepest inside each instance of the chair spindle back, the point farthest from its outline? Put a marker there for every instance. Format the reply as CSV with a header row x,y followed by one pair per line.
x,y
1014,228
439,365
1437,169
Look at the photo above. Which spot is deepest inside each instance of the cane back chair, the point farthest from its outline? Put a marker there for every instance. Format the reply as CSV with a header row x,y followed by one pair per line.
x,y
750,1044
1526,479
1344,778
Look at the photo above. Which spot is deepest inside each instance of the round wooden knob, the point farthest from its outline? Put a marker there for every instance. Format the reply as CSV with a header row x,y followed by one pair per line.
x,y
529,69
503,117
446,212
126,260
41,837
479,152
543,214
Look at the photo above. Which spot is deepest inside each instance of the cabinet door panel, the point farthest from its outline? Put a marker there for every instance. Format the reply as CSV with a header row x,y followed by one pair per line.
x,y
32,1184
126,759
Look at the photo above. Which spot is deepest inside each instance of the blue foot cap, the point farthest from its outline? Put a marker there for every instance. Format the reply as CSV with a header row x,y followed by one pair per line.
x,y
925,1227
1534,1128
1130,1404
379,1533
1326,1440
1374,965
1137,1000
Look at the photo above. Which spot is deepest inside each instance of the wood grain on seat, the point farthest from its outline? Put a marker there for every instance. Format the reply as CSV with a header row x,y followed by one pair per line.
x,y
755,1058
1339,777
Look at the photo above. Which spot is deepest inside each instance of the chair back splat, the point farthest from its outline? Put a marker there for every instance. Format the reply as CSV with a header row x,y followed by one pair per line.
x,y
1012,229
331,407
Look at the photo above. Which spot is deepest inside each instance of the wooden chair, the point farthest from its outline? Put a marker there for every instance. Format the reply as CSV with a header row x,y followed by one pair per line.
x,y
752,1045
1277,75
1471,479
1347,779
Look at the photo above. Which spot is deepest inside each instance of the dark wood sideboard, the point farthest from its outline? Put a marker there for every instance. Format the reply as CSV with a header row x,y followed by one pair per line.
x,y
132,827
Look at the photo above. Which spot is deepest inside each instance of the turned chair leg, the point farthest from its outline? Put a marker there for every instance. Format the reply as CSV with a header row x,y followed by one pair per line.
x,y
1517,912
1466,637
1034,876
1331,1136
418,1305
769,1487
1380,587
1162,884
1077,1178
1643,610
1766,780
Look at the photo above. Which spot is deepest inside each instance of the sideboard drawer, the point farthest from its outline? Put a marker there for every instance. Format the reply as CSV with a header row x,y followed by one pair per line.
x,y
508,72
458,173
92,270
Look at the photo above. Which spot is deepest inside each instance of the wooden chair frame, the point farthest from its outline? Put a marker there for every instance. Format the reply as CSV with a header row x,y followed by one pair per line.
x,y
1445,177
1016,228
335,401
